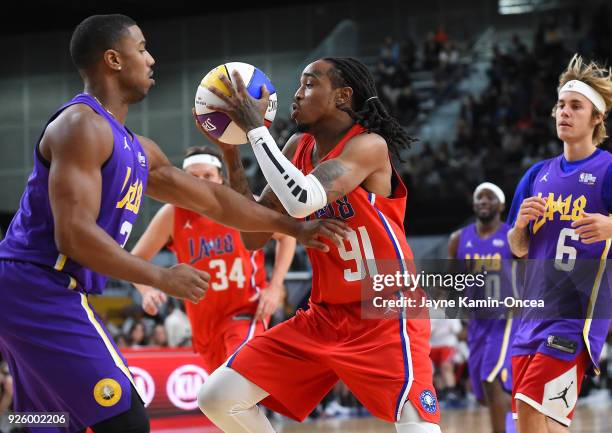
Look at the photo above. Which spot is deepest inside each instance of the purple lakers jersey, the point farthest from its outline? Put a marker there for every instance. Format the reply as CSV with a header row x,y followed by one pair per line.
x,y
569,275
30,237
493,256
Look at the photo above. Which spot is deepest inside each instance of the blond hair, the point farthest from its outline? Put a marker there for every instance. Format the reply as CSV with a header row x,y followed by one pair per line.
x,y
600,79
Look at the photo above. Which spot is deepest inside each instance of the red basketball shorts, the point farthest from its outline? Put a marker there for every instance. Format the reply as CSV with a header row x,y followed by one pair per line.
x,y
548,384
442,354
231,336
384,362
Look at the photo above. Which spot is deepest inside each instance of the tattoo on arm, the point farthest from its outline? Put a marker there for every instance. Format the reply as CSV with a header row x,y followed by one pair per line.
x,y
237,176
240,184
270,201
327,174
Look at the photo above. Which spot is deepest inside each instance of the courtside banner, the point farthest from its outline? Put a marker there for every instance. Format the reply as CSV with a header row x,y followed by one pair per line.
x,y
168,380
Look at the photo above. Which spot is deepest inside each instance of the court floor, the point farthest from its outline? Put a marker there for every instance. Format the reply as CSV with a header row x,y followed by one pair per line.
x,y
587,420
592,416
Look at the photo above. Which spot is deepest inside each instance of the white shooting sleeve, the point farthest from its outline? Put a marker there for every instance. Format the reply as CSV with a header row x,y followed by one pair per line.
x,y
299,194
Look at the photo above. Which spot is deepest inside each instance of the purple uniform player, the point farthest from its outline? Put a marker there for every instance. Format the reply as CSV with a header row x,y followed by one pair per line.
x,y
488,337
45,292
79,207
483,247
569,189
560,218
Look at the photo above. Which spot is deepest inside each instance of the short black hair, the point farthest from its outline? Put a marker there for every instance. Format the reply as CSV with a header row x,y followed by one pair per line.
x,y
96,34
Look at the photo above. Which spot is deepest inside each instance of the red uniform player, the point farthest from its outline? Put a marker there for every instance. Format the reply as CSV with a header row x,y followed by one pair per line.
x,y
339,167
230,314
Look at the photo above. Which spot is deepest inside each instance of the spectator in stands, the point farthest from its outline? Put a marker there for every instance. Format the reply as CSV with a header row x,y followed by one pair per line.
x,y
137,336
6,397
121,341
444,341
160,337
448,58
6,389
441,36
407,104
390,52
430,52
386,71
281,130
177,324
601,33
517,46
408,53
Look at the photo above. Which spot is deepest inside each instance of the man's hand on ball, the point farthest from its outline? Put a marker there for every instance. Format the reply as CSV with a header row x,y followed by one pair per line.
x,y
223,146
244,110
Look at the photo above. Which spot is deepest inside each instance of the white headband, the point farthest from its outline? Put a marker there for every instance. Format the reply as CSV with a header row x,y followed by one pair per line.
x,y
586,90
491,187
202,158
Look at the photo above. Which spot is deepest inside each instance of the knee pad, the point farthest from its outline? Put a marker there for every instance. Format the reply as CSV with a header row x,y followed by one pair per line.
x,y
209,395
411,422
226,391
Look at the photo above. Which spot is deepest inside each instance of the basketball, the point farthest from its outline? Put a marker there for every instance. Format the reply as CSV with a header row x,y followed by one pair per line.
x,y
218,124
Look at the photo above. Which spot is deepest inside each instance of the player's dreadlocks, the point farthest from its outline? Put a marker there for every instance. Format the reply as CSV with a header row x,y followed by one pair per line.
x,y
368,110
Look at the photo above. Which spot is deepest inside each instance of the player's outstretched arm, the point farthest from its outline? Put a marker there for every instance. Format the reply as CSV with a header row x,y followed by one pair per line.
x,y
220,203
77,144
270,298
156,236
239,183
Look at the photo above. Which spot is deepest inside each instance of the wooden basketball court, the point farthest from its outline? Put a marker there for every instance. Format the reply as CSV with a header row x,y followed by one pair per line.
x,y
591,417
587,420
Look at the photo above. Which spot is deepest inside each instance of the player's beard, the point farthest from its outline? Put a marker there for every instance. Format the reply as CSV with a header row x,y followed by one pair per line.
x,y
487,218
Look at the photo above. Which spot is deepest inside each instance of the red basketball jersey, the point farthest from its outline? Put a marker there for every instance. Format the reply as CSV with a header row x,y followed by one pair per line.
x,y
377,241
236,274
260,277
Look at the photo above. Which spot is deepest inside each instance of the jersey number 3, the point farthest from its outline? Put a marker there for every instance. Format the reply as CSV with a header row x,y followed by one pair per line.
x,y
126,229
